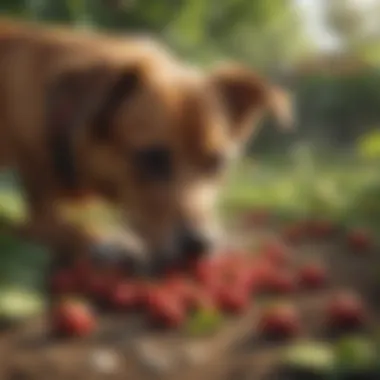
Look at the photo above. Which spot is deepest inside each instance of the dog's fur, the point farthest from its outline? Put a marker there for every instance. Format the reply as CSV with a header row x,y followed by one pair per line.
x,y
77,109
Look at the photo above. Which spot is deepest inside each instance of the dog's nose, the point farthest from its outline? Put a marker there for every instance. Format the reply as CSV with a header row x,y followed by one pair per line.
x,y
193,243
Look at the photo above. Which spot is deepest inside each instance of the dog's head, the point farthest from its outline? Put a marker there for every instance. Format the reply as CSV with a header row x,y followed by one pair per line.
x,y
158,140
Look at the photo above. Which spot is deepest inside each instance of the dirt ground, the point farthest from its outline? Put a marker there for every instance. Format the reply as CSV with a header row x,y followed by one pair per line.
x,y
235,353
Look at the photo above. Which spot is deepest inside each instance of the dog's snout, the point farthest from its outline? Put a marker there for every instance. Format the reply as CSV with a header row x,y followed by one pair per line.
x,y
193,243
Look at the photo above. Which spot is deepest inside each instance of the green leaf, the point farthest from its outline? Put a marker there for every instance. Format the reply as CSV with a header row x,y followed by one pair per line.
x,y
19,303
310,356
369,145
204,322
356,353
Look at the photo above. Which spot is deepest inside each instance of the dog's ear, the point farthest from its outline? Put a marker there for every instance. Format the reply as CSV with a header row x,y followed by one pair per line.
x,y
124,85
78,97
247,98
90,95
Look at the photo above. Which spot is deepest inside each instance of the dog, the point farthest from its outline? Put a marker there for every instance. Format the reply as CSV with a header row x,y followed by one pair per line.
x,y
124,118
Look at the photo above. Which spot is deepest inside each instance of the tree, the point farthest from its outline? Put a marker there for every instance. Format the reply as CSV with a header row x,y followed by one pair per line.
x,y
356,25
262,32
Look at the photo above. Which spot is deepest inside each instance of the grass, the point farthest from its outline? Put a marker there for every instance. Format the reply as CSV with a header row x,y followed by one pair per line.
x,y
305,185
346,191
301,187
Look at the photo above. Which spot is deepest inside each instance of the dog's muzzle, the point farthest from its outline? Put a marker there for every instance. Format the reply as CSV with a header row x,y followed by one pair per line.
x,y
192,243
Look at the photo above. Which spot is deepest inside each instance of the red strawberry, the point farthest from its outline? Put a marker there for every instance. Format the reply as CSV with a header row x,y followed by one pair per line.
x,y
267,278
280,321
201,299
176,283
247,279
285,283
101,285
322,228
73,318
346,310
312,276
276,253
124,296
262,273
83,268
164,309
86,275
233,299
231,260
186,292
143,291
281,283
206,271
360,240
234,274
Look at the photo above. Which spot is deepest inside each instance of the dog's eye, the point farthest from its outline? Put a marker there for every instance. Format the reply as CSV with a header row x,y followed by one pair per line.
x,y
154,164
214,163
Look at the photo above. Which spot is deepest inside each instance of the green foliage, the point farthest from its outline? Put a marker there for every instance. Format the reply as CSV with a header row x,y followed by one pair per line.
x,y
22,264
201,30
355,354
368,145
364,203
337,109
14,7
204,322
356,25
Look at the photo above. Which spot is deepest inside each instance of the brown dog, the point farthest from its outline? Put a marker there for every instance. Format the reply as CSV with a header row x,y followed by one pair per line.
x,y
123,118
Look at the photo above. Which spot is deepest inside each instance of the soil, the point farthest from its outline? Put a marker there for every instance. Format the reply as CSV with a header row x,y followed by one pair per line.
x,y
28,352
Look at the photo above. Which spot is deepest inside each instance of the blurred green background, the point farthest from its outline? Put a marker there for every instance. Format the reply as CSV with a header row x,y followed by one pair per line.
x,y
326,51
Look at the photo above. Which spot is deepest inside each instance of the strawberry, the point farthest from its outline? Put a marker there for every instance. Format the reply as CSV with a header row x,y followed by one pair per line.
x,y
101,285
247,279
232,299
201,299
191,295
321,228
312,276
280,321
276,253
177,284
83,268
124,296
281,283
345,311
205,271
165,309
294,233
359,240
262,273
268,278
73,318
143,290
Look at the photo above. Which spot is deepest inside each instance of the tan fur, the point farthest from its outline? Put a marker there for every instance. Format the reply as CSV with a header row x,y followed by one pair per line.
x,y
191,112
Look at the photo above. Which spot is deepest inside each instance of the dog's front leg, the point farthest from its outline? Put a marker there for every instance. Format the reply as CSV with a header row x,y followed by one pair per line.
x,y
68,241
46,226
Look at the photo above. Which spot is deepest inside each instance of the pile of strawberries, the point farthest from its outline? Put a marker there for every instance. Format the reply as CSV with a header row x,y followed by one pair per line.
x,y
227,284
